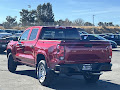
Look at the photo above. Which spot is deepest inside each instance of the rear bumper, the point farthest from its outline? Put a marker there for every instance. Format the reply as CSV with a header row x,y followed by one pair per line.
x,y
114,45
78,68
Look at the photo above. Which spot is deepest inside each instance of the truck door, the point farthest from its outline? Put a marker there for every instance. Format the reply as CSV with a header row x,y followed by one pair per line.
x,y
29,47
20,46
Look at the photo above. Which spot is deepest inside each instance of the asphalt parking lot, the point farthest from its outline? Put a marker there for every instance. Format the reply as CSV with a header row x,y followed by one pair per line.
x,y
24,78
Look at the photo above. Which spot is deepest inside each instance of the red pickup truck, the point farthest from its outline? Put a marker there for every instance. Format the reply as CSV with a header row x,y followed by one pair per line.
x,y
54,50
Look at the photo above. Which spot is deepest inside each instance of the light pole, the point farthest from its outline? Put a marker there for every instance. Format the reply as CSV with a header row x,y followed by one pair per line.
x,y
93,24
29,6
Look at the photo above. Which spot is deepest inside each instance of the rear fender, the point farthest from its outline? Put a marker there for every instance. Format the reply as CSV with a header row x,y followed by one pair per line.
x,y
11,48
43,53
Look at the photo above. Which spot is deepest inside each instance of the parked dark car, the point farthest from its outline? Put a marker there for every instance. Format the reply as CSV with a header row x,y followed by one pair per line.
x,y
4,41
13,31
13,37
102,35
82,32
97,37
113,37
2,31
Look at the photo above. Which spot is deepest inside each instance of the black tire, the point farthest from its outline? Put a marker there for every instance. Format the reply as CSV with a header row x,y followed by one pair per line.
x,y
91,78
12,65
47,75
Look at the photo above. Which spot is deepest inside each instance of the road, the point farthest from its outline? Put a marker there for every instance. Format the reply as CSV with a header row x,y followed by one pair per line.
x,y
24,78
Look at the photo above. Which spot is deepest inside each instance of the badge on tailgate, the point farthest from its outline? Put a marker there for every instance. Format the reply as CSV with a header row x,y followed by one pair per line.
x,y
87,67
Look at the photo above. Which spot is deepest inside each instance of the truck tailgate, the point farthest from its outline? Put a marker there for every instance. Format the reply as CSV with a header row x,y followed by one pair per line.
x,y
87,52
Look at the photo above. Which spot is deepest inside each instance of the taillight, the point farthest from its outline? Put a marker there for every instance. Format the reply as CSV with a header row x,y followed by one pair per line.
x,y
110,51
60,52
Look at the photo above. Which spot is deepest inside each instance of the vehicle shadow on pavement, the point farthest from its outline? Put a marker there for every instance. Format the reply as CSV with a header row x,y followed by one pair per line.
x,y
30,73
80,84
74,83
116,50
2,53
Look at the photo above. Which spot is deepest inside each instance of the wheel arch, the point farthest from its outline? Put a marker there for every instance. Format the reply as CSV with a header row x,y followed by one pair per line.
x,y
40,57
8,51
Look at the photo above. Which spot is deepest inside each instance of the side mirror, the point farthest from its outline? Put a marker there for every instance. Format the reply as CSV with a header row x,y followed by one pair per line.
x,y
18,38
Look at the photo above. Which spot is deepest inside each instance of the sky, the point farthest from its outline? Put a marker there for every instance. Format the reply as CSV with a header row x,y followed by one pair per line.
x,y
104,10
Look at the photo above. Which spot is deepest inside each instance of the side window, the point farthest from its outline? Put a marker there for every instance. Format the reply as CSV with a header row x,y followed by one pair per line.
x,y
33,34
116,36
72,34
93,38
53,35
111,36
48,34
25,35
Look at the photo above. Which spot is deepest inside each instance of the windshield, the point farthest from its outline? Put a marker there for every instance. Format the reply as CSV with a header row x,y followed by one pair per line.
x,y
92,37
17,34
60,34
101,38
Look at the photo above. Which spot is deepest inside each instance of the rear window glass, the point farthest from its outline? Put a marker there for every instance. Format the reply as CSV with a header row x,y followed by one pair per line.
x,y
59,34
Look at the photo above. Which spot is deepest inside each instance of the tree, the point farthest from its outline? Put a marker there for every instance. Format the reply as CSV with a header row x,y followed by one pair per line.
x,y
50,15
28,17
101,24
117,25
11,21
60,22
110,24
6,25
32,16
24,17
78,22
39,13
67,22
88,24
45,13
106,24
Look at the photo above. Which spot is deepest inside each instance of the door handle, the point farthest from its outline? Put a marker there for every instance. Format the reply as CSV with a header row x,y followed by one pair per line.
x,y
32,46
20,45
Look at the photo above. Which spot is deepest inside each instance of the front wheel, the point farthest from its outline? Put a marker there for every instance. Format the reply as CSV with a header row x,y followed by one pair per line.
x,y
91,78
45,76
12,65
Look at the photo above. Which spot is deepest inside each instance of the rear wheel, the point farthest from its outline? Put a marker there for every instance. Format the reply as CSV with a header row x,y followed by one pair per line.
x,y
12,65
91,78
45,76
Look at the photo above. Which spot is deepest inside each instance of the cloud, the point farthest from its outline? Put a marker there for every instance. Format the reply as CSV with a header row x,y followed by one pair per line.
x,y
96,11
16,10
81,11
10,9
72,2
81,3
